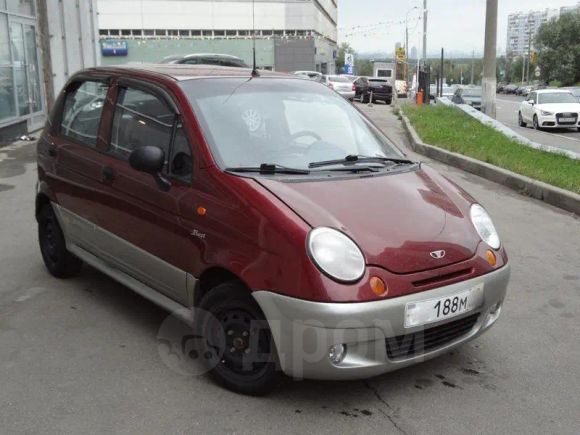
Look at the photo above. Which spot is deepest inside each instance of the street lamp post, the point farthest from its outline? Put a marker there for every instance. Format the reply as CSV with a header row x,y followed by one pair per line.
x,y
488,84
407,41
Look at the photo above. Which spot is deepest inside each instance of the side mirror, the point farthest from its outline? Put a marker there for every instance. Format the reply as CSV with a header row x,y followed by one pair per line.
x,y
150,159
531,102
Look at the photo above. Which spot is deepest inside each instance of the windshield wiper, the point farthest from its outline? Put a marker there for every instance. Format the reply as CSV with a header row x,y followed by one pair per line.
x,y
354,158
269,168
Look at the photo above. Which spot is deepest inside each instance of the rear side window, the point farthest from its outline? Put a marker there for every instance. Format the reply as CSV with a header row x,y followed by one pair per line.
x,y
140,119
82,110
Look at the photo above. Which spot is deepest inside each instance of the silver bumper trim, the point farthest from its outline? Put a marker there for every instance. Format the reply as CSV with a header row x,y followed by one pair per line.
x,y
303,330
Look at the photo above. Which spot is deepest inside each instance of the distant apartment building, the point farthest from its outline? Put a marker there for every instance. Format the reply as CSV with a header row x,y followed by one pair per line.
x,y
291,34
566,9
522,26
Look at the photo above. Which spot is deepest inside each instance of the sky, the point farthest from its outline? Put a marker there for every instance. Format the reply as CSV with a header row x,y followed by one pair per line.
x,y
457,25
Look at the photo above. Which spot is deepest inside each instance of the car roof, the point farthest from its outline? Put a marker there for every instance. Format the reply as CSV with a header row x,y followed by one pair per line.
x,y
551,91
183,72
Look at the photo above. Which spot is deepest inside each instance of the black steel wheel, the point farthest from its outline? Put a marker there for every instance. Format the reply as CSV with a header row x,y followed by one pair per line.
x,y
237,346
59,262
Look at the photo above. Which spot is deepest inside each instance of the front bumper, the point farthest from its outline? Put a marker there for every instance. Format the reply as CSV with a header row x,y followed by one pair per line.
x,y
304,331
552,121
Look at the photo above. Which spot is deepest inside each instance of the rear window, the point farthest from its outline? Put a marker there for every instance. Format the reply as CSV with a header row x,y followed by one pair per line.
x,y
82,110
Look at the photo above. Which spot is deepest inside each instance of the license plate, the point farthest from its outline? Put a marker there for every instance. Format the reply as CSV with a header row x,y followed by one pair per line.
x,y
433,310
567,119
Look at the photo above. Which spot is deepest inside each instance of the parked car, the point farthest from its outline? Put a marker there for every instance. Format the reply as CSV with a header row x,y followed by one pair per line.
x,y
312,75
343,85
500,87
402,88
526,90
381,89
510,89
278,221
469,95
575,91
448,92
361,89
206,59
550,108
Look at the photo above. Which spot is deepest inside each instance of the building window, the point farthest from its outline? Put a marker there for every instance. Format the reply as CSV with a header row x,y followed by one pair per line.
x,y
114,32
125,32
148,32
21,7
266,33
173,32
103,32
196,33
137,32
160,32
184,33
219,33
231,33
243,32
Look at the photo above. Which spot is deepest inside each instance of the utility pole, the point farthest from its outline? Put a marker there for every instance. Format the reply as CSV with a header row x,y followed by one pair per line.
x,y
472,64
529,58
424,31
442,74
489,59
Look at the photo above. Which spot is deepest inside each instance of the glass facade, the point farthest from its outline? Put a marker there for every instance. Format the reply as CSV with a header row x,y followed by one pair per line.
x,y
20,89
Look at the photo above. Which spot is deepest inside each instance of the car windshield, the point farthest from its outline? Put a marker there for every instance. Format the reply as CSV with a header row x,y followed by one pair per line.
x,y
467,92
339,79
281,121
556,97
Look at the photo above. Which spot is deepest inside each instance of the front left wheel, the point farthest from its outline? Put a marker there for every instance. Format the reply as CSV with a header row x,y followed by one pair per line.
x,y
58,260
535,123
521,120
236,343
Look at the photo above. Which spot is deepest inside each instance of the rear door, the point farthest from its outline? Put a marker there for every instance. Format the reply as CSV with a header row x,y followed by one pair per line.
x,y
142,233
72,146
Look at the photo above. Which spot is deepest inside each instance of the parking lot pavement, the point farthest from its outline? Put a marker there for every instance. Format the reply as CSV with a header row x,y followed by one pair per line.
x,y
507,113
82,355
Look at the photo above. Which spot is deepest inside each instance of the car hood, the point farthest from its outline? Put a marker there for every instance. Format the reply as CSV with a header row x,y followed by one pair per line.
x,y
559,107
397,220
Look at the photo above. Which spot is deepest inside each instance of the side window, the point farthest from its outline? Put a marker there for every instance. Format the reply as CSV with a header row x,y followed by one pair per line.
x,y
181,160
82,112
140,119
533,97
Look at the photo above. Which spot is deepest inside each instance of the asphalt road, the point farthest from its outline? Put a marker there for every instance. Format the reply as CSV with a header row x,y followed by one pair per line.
x,y
82,355
507,113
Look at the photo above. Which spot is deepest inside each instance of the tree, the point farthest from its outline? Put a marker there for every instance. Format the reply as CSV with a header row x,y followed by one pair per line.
x,y
558,45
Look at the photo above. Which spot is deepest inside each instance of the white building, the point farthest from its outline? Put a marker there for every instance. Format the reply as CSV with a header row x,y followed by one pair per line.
x,y
522,26
196,23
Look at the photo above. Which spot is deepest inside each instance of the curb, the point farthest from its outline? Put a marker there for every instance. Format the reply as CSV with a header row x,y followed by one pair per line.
x,y
552,195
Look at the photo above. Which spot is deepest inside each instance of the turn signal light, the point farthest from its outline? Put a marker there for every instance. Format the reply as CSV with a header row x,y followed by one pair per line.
x,y
201,211
378,286
490,256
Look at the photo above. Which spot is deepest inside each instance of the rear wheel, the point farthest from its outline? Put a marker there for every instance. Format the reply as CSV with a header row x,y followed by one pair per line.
x,y
59,262
237,345
521,120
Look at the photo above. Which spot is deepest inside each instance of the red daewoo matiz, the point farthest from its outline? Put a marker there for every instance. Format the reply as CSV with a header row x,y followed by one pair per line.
x,y
301,239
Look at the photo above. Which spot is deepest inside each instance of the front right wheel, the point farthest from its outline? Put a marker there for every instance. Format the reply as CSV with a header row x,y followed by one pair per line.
x,y
236,343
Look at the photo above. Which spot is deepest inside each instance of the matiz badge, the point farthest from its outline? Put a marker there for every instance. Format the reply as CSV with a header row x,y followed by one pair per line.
x,y
438,254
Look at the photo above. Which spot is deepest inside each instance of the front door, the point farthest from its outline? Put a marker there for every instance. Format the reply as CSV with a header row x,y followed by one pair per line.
x,y
141,231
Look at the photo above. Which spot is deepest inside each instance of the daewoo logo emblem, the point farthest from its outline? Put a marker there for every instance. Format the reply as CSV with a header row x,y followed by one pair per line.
x,y
438,254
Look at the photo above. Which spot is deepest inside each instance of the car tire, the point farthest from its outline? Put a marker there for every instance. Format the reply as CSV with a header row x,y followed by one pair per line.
x,y
535,123
365,99
388,101
234,333
521,122
57,259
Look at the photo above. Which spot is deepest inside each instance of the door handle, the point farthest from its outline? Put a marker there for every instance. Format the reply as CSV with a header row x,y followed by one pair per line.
x,y
107,174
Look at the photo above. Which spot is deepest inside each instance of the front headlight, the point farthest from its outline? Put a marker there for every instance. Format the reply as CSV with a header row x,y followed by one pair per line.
x,y
336,254
546,113
484,226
